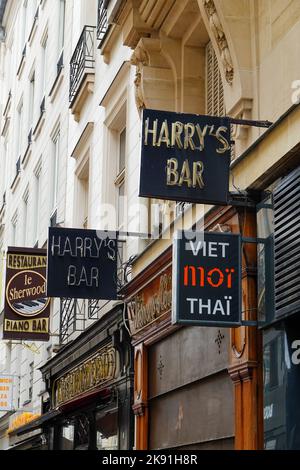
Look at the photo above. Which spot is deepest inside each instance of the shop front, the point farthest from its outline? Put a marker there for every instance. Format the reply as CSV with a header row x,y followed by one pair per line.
x,y
90,387
184,395
279,304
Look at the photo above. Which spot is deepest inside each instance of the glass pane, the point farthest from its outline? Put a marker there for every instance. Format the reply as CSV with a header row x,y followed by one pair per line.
x,y
282,385
107,429
121,206
67,437
265,256
122,154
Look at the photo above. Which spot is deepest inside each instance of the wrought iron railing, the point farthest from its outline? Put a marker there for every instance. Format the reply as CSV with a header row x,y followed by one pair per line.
x,y
3,203
42,105
74,313
18,166
29,138
83,59
102,23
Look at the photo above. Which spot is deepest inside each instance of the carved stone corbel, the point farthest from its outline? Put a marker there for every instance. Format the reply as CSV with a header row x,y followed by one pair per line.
x,y
221,40
140,59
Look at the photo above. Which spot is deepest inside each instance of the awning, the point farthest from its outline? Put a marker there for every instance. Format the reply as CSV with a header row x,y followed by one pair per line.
x,y
36,423
68,407
32,443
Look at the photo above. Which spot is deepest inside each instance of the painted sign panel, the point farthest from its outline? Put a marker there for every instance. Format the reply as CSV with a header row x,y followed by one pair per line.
x,y
150,303
82,264
6,393
27,308
185,157
93,373
207,279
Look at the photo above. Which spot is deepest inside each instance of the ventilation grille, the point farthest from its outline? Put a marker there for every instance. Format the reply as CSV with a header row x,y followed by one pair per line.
x,y
287,244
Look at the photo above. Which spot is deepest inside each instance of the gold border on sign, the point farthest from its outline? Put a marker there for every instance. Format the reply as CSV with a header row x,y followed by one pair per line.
x,y
10,305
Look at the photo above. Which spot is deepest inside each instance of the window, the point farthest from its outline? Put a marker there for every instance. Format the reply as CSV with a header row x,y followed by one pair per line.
x,y
23,27
115,168
61,31
82,206
3,163
14,223
25,217
67,437
37,203
54,171
31,101
281,385
31,372
44,64
107,429
120,181
20,130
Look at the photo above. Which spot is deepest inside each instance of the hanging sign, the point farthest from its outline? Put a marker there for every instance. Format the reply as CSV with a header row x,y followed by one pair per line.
x,y
82,264
185,157
207,279
26,309
6,392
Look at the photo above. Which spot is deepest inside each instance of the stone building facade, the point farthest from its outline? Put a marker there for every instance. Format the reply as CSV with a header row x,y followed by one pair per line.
x,y
71,104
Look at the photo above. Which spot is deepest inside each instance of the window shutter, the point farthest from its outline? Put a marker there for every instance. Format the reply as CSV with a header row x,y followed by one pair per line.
x,y
214,87
287,244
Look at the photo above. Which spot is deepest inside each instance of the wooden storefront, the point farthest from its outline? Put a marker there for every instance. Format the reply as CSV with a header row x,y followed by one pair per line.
x,y
195,387
90,384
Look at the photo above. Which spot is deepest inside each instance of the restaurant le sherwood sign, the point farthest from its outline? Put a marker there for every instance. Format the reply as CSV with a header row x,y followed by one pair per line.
x,y
185,157
207,279
27,308
82,264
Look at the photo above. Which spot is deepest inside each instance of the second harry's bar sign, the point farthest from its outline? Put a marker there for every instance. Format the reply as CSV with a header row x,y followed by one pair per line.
x,y
207,279
82,264
185,157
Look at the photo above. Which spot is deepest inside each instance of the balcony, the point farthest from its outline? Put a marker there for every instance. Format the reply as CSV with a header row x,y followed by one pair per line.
x,y
2,209
102,24
111,15
82,70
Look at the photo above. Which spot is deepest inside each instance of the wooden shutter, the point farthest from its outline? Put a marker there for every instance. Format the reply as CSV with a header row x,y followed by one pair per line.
x,y
214,87
287,244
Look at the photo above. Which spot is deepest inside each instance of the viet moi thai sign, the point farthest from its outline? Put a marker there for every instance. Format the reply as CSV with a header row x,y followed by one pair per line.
x,y
82,264
27,309
207,279
185,157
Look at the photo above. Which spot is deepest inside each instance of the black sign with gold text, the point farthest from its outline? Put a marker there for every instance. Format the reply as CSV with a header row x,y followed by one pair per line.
x,y
185,157
207,279
27,309
82,264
